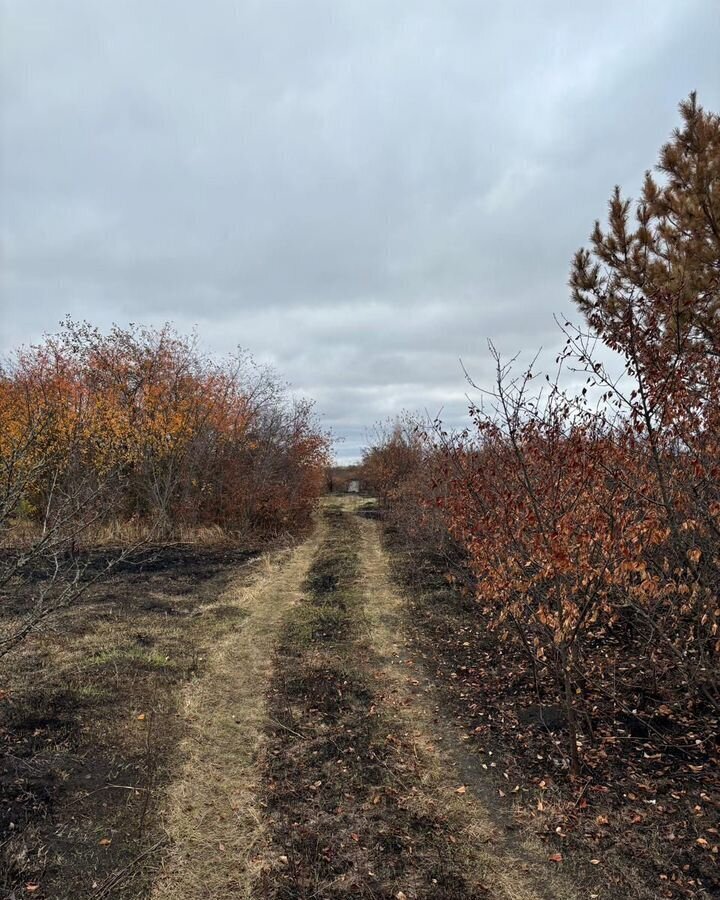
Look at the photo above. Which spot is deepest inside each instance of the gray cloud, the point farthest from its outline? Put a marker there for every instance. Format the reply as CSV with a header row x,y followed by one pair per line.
x,y
359,192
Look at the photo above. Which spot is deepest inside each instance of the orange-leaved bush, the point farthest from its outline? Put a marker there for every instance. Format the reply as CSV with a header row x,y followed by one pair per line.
x,y
183,439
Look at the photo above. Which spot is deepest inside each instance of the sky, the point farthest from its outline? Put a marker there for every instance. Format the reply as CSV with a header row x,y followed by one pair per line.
x,y
359,192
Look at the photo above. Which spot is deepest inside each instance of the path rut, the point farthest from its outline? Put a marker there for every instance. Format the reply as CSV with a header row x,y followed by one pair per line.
x,y
214,824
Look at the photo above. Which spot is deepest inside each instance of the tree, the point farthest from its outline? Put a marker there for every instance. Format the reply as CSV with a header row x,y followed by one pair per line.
x,y
140,432
395,455
674,250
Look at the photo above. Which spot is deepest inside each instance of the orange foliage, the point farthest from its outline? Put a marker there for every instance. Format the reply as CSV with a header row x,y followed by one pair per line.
x,y
576,518
587,525
184,439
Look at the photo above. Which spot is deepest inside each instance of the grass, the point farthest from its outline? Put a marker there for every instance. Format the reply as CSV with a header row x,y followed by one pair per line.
x,y
90,726
125,533
350,810
135,656
92,693
212,817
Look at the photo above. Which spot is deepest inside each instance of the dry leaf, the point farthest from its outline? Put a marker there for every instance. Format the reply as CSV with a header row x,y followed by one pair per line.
x,y
461,790
105,842
556,857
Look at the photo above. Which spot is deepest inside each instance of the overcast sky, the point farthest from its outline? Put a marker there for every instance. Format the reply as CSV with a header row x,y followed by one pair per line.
x,y
359,192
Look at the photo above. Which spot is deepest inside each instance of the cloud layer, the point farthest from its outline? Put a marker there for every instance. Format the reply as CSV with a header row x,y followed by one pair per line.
x,y
359,192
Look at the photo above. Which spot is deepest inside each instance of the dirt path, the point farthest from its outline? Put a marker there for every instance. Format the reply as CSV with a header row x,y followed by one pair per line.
x,y
212,819
317,764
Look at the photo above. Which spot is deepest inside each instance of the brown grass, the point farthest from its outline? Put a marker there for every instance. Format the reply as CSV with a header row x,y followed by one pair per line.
x,y
212,816
514,868
130,533
89,722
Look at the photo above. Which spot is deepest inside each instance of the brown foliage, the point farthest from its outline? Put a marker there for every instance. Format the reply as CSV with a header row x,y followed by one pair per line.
x,y
138,428
589,519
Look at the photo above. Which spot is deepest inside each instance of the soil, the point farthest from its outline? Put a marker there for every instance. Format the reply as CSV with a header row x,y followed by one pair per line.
x,y
89,722
642,822
326,721
339,780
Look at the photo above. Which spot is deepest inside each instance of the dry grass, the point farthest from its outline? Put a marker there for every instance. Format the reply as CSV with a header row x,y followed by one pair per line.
x,y
89,722
341,785
131,533
212,816
513,869
182,668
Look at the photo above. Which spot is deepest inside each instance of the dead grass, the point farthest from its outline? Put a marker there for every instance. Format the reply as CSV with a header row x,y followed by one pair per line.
x,y
351,802
131,533
158,708
89,724
513,868
212,816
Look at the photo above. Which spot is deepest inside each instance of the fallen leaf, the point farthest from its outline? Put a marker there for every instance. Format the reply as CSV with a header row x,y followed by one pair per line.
x,y
141,717
105,842
461,790
556,857
31,887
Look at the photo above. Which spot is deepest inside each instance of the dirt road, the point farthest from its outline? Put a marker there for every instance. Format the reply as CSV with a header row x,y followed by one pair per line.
x,y
316,763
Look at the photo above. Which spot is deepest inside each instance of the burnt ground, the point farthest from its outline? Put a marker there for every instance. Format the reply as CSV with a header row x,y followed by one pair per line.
x,y
89,721
340,779
644,819
399,751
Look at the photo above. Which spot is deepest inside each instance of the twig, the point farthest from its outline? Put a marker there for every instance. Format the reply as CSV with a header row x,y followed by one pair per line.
x,y
280,724
114,879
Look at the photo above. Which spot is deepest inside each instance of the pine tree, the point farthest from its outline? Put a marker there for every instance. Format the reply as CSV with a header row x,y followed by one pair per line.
x,y
672,251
